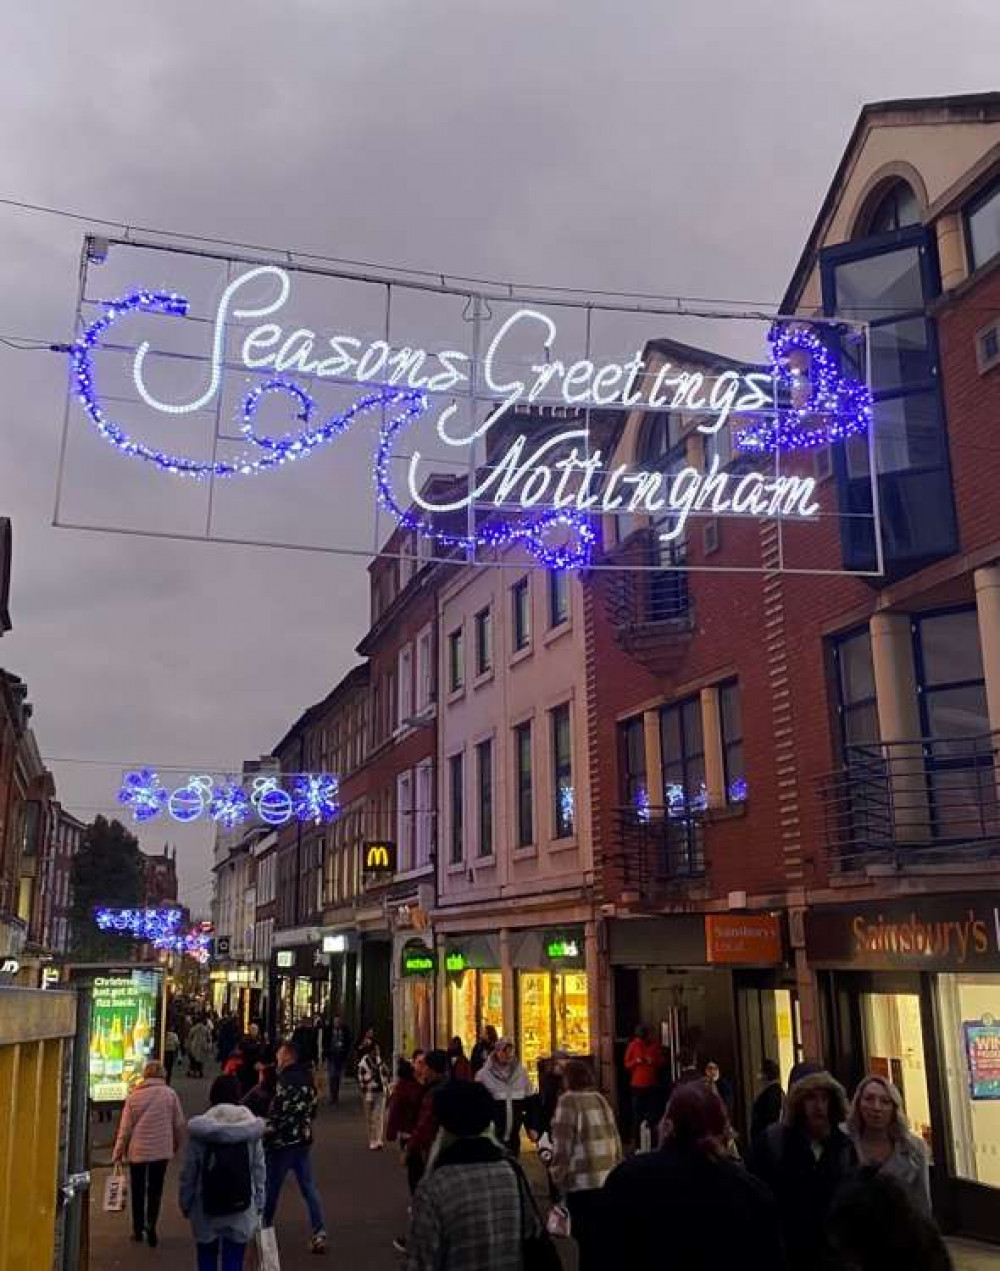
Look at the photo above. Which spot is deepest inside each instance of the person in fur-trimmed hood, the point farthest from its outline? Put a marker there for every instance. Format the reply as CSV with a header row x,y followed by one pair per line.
x,y
804,1159
225,1124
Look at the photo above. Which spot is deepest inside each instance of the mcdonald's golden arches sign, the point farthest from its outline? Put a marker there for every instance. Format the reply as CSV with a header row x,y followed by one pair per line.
x,y
380,857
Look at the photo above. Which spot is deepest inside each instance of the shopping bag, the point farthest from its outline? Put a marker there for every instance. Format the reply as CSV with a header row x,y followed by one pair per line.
x,y
267,1250
558,1222
115,1191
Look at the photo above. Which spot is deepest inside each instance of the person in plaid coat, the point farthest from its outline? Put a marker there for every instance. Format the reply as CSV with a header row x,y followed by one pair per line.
x,y
469,1212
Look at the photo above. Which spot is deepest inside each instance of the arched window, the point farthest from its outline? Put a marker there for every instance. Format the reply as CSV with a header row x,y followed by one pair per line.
x,y
896,208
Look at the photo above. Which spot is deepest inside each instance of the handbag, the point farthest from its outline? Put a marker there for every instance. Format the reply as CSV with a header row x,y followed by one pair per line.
x,y
538,1252
558,1222
115,1190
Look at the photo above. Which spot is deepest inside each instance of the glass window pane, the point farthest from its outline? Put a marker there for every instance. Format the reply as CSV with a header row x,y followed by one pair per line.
x,y
949,647
455,772
957,712
572,1012
984,230
969,1005
670,735
857,673
729,708
901,354
484,761
693,744
535,1018
886,282
908,433
861,725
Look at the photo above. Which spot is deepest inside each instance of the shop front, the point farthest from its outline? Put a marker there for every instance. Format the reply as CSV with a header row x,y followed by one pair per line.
x,y
473,982
910,989
415,995
551,994
238,990
710,986
300,979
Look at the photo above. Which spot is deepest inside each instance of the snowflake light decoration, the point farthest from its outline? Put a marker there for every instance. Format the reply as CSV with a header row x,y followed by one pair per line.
x,y
315,797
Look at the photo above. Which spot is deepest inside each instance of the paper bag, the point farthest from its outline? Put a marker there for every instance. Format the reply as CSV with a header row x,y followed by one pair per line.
x,y
115,1191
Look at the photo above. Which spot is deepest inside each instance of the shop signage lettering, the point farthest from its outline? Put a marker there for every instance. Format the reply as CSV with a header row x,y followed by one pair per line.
x,y
743,939
380,858
454,962
982,1048
926,933
554,484
10,966
418,962
556,949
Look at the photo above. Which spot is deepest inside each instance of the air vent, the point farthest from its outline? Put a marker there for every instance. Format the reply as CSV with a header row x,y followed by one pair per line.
x,y
710,537
988,347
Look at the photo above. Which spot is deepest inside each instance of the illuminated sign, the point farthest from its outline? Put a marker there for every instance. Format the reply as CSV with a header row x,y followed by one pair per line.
x,y
542,491
418,960
334,944
556,949
455,962
380,858
50,976
124,1031
314,797
10,966
285,959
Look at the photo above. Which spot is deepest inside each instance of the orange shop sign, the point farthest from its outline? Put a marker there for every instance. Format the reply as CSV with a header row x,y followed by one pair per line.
x,y
743,939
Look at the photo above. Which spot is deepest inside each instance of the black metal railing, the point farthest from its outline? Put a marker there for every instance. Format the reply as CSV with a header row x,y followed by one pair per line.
x,y
926,800
653,853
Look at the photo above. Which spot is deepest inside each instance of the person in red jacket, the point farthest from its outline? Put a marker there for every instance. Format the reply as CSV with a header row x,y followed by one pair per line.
x,y
404,1105
644,1060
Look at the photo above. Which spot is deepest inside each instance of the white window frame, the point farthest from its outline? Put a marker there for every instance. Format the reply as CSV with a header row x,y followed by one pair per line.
x,y
404,684
424,816
404,821
425,669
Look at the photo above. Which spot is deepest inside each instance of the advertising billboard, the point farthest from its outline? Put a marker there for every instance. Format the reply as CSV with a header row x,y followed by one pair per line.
x,y
124,1030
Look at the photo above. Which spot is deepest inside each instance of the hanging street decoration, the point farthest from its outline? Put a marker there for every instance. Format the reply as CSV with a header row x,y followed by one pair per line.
x,y
313,797
545,491
159,927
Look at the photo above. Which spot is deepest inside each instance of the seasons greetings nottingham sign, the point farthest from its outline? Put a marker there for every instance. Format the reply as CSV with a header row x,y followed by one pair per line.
x,y
545,489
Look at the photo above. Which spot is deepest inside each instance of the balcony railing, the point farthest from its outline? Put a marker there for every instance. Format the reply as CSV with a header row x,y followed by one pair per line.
x,y
929,801
653,854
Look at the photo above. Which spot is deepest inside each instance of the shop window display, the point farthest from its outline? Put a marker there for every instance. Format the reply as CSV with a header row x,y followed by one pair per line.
x,y
491,995
535,1040
970,1007
462,1008
571,1013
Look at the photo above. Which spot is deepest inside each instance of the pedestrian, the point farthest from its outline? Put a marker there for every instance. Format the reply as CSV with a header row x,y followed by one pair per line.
x,y
150,1132
199,1048
222,1185
337,1046
484,1047
770,1102
459,1067
689,1205
431,1070
804,1159
644,1060
506,1080
171,1045
403,1108
367,1037
259,1098
873,1226
289,1138
227,1037
882,1138
717,1082
473,1211
585,1149
373,1082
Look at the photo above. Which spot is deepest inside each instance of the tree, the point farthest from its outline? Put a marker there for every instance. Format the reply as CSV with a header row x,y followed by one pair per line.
x,y
107,870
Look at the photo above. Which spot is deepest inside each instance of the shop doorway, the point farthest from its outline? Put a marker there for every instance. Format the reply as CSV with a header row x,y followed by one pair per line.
x,y
893,1038
770,1027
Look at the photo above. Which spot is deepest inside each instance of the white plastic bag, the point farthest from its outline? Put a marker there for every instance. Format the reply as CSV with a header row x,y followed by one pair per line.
x,y
267,1250
115,1191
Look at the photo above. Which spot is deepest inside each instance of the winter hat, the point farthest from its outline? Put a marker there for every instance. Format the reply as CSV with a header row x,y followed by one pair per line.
x,y
808,1068
464,1109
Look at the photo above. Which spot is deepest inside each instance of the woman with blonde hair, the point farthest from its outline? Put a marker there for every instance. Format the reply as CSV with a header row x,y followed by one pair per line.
x,y
882,1139
150,1132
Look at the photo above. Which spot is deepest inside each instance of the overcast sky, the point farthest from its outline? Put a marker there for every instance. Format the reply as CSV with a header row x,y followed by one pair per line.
x,y
626,144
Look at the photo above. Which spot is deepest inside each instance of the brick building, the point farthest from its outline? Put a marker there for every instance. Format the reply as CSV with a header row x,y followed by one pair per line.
x,y
794,779
159,878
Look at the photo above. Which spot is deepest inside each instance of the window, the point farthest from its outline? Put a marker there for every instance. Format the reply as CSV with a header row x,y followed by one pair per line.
x,y
558,597
731,726
484,786
632,747
897,208
456,661
455,794
521,600
950,674
562,773
484,641
405,684
404,820
424,814
856,704
982,224
425,669
407,564
683,749
525,798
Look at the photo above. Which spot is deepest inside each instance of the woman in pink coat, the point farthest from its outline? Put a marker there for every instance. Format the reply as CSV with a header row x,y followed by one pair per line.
x,y
151,1130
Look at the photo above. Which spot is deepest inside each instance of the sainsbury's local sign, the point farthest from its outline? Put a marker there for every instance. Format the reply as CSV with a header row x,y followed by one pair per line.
x,y
544,490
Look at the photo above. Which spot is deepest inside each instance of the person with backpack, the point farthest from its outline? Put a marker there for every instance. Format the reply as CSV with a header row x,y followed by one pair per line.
x,y
222,1184
289,1139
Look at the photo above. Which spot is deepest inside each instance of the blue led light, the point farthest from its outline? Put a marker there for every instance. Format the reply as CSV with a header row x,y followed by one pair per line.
x,y
314,797
230,805
158,927
142,792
